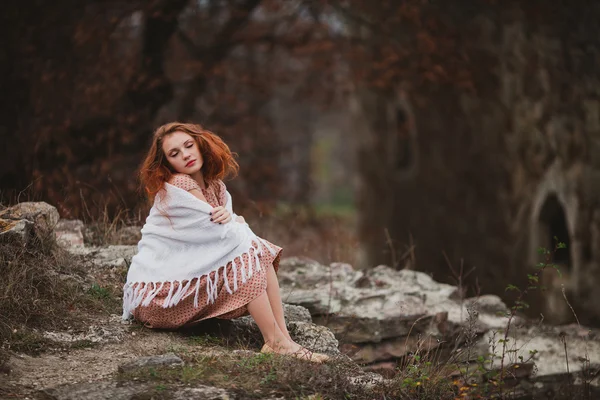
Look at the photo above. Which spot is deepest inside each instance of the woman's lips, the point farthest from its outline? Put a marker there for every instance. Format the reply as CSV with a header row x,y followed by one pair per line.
x,y
189,164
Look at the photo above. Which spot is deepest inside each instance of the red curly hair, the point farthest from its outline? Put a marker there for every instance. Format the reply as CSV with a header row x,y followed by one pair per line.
x,y
219,161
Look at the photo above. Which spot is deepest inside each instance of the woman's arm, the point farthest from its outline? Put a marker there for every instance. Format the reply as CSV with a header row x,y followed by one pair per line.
x,y
187,183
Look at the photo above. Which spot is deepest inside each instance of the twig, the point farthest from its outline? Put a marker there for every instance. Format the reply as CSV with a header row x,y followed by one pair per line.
x,y
586,354
392,249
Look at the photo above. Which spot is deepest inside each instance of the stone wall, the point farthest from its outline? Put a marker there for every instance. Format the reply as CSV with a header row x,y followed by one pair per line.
x,y
497,169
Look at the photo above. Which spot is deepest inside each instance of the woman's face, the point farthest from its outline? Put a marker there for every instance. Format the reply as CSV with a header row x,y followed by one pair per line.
x,y
182,152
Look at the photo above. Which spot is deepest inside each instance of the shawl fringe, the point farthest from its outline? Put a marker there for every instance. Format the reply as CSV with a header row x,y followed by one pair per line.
x,y
136,294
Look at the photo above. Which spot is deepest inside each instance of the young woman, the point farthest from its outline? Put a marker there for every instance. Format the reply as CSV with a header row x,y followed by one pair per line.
x,y
197,259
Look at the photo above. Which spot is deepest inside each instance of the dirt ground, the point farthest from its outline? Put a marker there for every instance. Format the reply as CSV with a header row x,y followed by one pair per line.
x,y
118,344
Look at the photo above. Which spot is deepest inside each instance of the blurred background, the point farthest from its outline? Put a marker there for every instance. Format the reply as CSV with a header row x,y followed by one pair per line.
x,y
453,137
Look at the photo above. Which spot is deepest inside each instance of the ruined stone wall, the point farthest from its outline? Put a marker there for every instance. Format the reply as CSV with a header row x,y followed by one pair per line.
x,y
497,170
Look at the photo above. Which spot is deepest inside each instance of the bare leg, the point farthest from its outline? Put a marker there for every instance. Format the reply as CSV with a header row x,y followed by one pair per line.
x,y
260,310
278,342
275,300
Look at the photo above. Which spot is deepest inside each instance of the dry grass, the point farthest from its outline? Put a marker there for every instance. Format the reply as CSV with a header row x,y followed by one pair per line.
x,y
325,236
266,375
43,287
119,229
34,289
322,236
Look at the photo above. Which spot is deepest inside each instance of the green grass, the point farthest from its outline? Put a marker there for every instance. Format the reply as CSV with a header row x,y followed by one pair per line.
x,y
98,292
206,340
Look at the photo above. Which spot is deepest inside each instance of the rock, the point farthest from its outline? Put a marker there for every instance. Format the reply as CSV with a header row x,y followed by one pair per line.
x,y
295,313
443,298
103,390
16,232
314,337
550,358
383,313
107,333
304,273
109,256
164,360
318,300
488,303
367,380
41,214
113,390
410,281
201,392
491,311
69,232
378,304
244,353
389,323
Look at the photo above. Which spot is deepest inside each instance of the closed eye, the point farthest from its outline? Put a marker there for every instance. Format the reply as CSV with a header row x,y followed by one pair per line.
x,y
187,145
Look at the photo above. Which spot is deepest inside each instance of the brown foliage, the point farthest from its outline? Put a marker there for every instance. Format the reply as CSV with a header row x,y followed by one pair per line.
x,y
90,92
87,83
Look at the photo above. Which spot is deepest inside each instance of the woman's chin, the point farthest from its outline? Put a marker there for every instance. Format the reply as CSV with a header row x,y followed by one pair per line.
x,y
192,169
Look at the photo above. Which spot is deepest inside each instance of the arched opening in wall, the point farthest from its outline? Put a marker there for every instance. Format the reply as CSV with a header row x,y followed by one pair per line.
x,y
552,228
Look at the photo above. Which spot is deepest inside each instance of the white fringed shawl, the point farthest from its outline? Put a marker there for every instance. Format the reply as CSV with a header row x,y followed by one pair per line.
x,y
180,243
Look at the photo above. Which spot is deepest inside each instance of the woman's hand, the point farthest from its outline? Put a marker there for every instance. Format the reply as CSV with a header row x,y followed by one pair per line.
x,y
241,219
220,215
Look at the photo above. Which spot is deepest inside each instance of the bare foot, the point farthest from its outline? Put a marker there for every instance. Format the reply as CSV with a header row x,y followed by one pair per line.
x,y
284,347
293,349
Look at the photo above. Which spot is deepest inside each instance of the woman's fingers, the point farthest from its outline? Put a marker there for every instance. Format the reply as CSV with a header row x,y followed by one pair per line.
x,y
224,218
217,213
220,215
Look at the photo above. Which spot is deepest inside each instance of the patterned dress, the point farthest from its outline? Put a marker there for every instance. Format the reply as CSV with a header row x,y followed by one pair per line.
x,y
227,306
